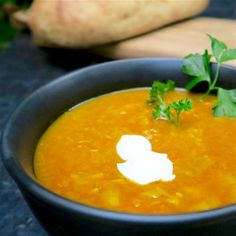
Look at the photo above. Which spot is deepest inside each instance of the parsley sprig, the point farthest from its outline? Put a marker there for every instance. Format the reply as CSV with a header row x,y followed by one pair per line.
x,y
161,110
197,66
179,106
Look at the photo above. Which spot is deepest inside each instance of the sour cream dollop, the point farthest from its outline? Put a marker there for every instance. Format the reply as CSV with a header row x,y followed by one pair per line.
x,y
142,165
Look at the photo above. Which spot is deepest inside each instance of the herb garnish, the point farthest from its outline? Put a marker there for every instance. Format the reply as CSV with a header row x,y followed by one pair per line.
x,y
161,110
197,66
181,105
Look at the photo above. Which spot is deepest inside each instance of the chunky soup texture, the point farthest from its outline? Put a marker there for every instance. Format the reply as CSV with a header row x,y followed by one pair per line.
x,y
76,157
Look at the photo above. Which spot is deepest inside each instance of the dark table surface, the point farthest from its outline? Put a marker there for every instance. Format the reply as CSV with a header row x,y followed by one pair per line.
x,y
24,68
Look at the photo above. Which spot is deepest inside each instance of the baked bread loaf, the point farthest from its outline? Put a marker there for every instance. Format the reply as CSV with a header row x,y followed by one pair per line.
x,y
86,23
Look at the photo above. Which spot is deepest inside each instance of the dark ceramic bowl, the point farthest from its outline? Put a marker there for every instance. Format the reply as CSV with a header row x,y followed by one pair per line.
x,y
61,216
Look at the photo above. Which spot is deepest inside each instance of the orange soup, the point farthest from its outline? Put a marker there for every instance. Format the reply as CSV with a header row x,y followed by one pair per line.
x,y
77,156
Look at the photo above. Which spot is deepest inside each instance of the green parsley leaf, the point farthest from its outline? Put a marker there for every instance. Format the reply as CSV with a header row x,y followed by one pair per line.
x,y
198,67
227,55
226,103
217,47
159,89
161,112
181,105
160,109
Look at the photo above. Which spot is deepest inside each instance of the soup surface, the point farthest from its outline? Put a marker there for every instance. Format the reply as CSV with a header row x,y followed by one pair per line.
x,y
77,157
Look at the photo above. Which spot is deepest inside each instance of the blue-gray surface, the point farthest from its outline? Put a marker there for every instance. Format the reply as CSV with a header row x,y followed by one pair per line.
x,y
23,68
20,73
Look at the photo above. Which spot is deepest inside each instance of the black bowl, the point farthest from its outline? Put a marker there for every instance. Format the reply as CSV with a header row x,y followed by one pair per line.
x,y
61,216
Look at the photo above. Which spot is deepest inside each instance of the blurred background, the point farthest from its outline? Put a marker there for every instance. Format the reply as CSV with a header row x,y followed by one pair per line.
x,y
23,68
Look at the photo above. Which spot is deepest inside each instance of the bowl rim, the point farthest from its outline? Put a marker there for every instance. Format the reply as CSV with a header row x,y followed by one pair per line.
x,y
41,193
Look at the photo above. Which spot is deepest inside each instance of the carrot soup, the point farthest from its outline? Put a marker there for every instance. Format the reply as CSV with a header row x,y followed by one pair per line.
x,y
78,156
